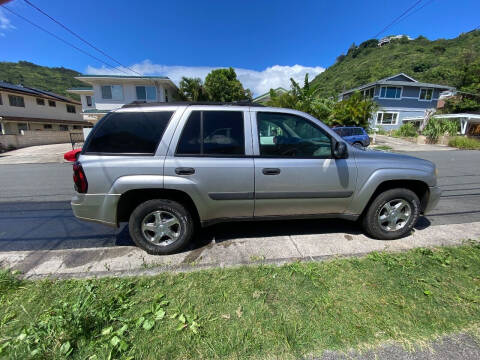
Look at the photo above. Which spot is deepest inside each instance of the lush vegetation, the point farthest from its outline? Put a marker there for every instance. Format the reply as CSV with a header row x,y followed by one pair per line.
x,y
440,127
454,62
57,79
220,85
465,143
282,312
406,130
356,110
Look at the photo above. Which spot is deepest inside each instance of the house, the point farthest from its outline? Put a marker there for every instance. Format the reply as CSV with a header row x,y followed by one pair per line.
x,y
264,98
109,92
387,39
25,108
400,98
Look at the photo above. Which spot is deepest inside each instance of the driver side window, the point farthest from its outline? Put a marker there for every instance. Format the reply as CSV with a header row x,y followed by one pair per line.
x,y
291,136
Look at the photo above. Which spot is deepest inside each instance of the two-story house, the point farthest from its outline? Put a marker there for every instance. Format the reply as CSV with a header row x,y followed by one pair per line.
x,y
25,108
400,98
109,92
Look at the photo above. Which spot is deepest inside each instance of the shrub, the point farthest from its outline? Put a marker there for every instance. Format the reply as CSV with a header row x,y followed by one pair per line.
x,y
406,130
464,143
439,127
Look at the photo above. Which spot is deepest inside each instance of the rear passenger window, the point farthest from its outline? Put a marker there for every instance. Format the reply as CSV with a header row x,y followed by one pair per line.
x,y
213,133
357,131
129,133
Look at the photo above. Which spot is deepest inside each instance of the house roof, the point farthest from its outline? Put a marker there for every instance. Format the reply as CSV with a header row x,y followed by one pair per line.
x,y
90,79
409,81
267,94
21,89
81,88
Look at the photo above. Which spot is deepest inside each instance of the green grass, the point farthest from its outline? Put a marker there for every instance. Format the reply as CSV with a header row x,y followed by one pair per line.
x,y
464,143
269,312
382,147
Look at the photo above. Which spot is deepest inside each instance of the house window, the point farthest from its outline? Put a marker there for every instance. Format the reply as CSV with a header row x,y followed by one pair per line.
x,y
368,93
40,101
88,99
22,126
112,92
390,92
146,93
77,127
426,94
166,95
52,103
47,126
1,101
387,118
15,100
71,109
63,127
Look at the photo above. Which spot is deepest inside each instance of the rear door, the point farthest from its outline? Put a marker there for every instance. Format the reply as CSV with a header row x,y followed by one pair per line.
x,y
210,158
295,173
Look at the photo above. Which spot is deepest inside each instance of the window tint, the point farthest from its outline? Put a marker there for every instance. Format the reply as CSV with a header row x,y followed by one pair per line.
x,y
357,131
129,132
213,133
286,135
339,131
347,132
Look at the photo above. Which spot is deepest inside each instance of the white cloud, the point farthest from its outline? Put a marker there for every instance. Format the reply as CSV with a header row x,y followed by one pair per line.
x,y
5,23
258,81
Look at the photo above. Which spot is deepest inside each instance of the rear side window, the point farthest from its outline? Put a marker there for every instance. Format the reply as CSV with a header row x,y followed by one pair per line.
x,y
213,133
357,131
129,133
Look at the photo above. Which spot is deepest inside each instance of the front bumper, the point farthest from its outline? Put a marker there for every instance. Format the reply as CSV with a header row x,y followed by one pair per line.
x,y
433,198
101,208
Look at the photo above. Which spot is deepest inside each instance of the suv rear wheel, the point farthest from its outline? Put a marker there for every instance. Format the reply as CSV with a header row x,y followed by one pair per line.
x,y
392,214
161,227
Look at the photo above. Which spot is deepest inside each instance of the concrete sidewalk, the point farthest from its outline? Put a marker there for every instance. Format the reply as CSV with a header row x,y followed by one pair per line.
x,y
398,144
36,154
129,260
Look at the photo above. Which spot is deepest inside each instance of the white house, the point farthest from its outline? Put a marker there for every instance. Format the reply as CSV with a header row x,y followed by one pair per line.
x,y
109,92
24,108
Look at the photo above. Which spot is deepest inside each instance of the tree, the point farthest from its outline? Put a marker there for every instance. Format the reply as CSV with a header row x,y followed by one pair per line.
x,y
303,99
356,110
192,89
223,85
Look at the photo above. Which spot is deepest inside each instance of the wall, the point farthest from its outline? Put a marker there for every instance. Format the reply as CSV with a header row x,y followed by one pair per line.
x,y
402,114
129,95
31,138
32,109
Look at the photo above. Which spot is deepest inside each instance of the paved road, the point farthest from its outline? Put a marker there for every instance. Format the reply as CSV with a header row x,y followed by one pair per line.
x,y
35,213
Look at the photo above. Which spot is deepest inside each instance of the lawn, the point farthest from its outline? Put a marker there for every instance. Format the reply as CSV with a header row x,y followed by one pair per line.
x,y
285,312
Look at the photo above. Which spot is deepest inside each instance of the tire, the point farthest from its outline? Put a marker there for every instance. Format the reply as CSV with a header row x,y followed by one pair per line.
x,y
358,144
176,223
379,224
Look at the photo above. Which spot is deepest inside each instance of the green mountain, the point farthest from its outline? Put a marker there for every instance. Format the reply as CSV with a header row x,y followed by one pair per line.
x,y
57,79
454,62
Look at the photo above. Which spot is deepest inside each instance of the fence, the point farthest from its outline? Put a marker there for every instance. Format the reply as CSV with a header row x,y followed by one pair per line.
x,y
31,138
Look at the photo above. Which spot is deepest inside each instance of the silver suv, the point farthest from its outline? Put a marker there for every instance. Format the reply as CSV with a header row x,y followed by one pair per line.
x,y
168,168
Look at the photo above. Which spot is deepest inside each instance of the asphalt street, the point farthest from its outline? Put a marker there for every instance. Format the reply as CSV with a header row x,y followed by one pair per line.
x,y
35,212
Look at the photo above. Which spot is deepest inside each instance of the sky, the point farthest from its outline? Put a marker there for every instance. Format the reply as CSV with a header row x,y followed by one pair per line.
x,y
266,41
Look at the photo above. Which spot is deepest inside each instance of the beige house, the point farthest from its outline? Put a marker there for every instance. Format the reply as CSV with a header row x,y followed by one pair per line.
x,y
27,109
109,92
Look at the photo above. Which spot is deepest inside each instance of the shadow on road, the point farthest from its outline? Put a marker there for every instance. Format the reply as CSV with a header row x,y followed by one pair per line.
x,y
52,226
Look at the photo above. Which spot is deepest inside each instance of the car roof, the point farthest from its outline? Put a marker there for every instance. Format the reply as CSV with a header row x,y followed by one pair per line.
x,y
136,104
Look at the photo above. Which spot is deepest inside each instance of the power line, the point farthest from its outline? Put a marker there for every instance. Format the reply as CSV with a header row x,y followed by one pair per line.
x,y
80,38
63,40
397,18
415,11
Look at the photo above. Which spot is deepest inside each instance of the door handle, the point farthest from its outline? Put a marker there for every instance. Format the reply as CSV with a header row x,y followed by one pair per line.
x,y
271,171
184,171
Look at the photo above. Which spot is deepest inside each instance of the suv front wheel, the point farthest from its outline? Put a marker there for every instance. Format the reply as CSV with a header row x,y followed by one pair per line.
x,y
161,227
392,214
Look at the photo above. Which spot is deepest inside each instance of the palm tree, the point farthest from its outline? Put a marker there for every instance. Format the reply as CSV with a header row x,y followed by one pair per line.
x,y
192,89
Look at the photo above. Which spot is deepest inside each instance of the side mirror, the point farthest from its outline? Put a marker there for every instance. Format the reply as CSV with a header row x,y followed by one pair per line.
x,y
340,150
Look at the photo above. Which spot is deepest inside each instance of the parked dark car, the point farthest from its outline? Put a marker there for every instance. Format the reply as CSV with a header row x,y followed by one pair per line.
x,y
354,135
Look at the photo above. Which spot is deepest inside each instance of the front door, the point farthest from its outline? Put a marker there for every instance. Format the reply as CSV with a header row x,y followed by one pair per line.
x,y
295,172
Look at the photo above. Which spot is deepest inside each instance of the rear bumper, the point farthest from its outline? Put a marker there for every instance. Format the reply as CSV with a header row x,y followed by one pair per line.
x,y
101,208
433,198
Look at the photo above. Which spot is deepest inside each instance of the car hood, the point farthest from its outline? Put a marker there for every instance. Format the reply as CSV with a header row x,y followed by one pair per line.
x,y
388,159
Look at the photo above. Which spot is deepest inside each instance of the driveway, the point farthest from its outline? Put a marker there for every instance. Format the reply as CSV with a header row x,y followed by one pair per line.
x,y
398,144
40,236
39,154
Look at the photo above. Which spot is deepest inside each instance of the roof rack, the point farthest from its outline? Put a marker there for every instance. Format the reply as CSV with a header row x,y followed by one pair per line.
x,y
188,103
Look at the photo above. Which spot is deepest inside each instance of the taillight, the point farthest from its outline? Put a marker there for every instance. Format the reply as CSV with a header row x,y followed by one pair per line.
x,y
79,178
